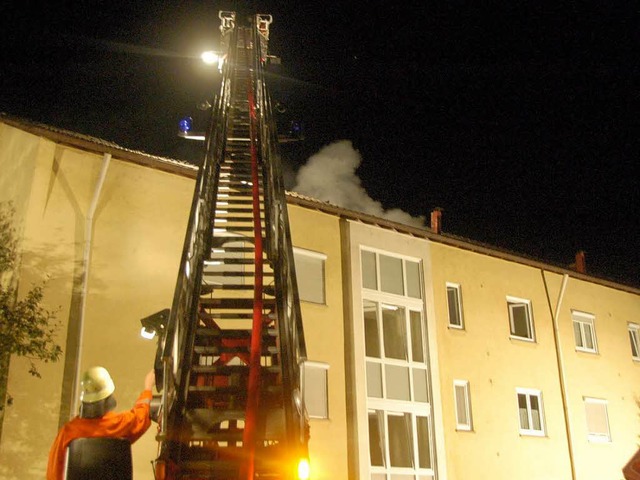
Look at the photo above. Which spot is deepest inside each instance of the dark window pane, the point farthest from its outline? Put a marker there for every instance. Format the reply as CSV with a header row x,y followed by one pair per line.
x,y
424,443
461,404
633,337
375,439
394,332
417,350
400,441
522,408
588,337
371,334
577,333
536,418
519,320
454,310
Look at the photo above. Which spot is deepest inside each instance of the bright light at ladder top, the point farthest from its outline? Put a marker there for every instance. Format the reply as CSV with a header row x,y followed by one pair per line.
x,y
209,57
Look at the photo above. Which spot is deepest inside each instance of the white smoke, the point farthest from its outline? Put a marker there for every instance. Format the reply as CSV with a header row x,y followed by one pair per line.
x,y
330,176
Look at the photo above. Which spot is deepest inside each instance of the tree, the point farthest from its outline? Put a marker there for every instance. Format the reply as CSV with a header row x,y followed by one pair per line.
x,y
27,329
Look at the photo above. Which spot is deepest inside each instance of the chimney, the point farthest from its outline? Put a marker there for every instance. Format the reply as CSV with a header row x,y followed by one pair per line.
x,y
581,263
436,220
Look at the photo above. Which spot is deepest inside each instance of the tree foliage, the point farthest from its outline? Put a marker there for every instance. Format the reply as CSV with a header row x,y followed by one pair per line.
x,y
27,329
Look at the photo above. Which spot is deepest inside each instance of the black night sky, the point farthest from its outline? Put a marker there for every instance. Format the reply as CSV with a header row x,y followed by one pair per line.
x,y
519,119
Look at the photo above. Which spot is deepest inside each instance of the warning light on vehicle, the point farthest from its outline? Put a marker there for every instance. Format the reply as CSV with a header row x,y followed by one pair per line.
x,y
304,470
186,124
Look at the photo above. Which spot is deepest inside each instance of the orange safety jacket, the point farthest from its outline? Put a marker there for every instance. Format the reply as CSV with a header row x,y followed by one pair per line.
x,y
130,425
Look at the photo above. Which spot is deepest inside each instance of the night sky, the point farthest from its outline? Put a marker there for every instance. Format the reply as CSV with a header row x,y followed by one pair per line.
x,y
519,119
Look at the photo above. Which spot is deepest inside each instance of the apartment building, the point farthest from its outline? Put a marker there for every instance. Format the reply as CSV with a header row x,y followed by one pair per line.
x,y
430,356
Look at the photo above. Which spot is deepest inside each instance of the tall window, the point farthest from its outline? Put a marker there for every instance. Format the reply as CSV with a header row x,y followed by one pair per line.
x,y
454,304
530,412
463,405
520,319
597,420
310,275
634,338
584,332
397,376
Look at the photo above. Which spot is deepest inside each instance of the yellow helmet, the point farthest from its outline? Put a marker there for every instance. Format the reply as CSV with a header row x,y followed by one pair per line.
x,y
96,385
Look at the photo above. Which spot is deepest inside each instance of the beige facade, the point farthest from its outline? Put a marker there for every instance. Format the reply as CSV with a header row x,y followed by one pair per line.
x,y
533,379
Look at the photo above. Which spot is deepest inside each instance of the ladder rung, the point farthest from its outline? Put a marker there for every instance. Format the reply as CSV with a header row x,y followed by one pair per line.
x,y
231,369
232,333
217,350
235,303
246,273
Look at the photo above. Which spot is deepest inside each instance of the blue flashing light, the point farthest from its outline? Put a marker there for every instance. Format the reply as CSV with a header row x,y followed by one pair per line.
x,y
186,124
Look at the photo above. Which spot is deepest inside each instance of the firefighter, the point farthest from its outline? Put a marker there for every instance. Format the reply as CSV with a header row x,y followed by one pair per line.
x,y
97,419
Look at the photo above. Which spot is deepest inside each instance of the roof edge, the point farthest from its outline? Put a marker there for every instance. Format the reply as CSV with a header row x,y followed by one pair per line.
x,y
182,168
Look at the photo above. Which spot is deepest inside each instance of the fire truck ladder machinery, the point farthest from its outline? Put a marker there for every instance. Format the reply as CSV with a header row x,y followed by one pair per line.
x,y
233,346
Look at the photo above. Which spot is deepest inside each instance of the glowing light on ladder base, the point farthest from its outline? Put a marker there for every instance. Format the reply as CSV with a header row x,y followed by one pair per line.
x,y
304,469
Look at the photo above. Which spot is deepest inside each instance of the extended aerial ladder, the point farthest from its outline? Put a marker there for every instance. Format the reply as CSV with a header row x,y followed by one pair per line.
x,y
233,347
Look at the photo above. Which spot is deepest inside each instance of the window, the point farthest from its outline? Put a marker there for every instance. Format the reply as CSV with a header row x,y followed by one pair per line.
x,y
454,303
399,440
396,367
310,275
316,389
634,338
389,274
398,408
584,332
463,405
520,319
530,412
597,420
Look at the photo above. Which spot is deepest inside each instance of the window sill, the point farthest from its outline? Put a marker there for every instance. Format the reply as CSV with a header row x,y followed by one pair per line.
x,y
522,339
464,429
532,433
586,350
456,327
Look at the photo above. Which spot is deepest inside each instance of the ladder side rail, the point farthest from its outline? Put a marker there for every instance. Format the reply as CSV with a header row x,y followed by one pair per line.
x,y
182,320
253,393
290,318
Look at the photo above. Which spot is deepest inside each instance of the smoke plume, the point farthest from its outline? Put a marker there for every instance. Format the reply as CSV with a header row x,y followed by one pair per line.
x,y
330,176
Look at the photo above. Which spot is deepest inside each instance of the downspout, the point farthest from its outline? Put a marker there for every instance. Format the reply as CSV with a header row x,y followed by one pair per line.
x,y
86,256
563,390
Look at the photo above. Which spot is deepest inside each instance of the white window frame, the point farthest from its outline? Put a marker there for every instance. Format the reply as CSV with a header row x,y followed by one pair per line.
x,y
455,287
634,336
324,388
530,392
301,252
515,301
466,398
405,259
386,407
585,320
597,437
